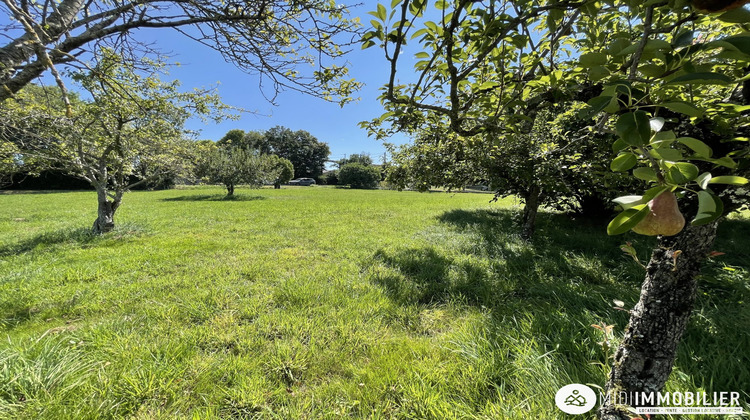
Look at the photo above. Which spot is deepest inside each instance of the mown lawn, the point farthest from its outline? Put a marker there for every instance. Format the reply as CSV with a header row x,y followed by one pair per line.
x,y
307,303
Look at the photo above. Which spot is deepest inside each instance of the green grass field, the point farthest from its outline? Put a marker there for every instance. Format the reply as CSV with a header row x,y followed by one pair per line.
x,y
309,303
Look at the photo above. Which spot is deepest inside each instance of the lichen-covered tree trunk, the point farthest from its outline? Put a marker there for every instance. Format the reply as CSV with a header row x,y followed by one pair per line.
x,y
105,220
531,206
645,358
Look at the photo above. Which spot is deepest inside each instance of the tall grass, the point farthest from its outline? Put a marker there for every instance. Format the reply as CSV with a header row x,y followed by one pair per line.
x,y
329,303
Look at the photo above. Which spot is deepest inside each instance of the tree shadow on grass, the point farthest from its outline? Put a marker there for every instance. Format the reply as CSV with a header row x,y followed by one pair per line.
x,y
566,279
79,236
14,192
215,197
567,266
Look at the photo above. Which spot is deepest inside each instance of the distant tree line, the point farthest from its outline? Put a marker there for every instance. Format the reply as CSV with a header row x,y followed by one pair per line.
x,y
307,155
254,158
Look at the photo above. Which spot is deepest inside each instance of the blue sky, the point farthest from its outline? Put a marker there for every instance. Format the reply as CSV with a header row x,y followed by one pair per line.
x,y
202,67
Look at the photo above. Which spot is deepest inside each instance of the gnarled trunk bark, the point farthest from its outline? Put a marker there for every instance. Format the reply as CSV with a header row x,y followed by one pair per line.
x,y
645,358
105,220
230,190
531,206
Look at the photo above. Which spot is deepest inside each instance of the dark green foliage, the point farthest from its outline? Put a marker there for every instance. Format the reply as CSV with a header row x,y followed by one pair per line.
x,y
330,178
557,158
233,138
286,171
307,154
361,158
253,140
357,175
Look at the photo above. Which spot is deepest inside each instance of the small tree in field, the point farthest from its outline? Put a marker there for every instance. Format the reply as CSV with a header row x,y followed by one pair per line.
x,y
232,167
286,171
129,132
357,175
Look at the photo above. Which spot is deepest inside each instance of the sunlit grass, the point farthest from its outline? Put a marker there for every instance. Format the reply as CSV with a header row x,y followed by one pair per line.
x,y
327,303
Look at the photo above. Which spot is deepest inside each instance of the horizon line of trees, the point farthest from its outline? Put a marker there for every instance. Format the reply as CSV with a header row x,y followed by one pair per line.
x,y
293,154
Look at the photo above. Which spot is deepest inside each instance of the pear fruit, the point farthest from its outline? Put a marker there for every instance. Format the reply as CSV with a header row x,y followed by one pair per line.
x,y
663,218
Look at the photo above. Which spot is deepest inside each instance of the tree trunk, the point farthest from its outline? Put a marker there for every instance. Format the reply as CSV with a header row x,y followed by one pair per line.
x,y
105,221
277,186
644,360
531,206
230,190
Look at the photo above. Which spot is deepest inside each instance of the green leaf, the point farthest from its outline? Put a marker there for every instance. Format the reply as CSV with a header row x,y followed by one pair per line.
x,y
634,128
623,162
710,208
613,107
703,179
683,39
597,73
702,78
666,153
683,108
706,204
618,45
729,180
645,173
592,59
651,70
682,173
419,33
738,15
651,193
618,145
700,148
657,44
663,138
740,42
598,103
382,12
725,161
627,219
628,201
488,85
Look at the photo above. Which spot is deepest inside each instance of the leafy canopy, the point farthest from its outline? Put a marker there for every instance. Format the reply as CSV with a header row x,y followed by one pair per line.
x,y
291,45
129,130
653,74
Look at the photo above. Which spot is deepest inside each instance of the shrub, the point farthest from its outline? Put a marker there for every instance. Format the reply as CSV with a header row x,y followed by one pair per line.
x,y
330,178
357,175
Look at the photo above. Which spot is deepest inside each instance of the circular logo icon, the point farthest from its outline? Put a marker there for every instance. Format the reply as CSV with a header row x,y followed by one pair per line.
x,y
575,399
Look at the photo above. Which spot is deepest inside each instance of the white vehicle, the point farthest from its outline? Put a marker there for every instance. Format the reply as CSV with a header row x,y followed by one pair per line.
x,y
305,182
